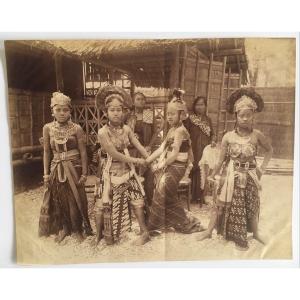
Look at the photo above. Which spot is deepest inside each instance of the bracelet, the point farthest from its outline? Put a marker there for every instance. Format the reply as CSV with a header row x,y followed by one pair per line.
x,y
46,176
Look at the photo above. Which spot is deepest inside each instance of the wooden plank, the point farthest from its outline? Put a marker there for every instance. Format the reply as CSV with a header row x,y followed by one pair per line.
x,y
208,82
31,119
229,52
58,72
227,95
183,65
196,75
221,95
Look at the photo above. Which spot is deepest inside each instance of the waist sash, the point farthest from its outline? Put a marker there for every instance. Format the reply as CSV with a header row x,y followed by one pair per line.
x,y
228,185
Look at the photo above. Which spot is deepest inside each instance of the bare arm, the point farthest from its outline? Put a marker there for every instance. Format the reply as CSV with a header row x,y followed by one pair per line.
x,y
135,142
222,156
109,148
266,145
47,150
157,152
178,138
213,137
154,136
82,150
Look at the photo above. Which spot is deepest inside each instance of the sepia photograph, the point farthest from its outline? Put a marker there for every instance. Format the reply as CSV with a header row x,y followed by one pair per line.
x,y
151,150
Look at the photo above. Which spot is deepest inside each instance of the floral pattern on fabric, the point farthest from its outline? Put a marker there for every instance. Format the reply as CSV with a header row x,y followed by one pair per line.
x,y
203,125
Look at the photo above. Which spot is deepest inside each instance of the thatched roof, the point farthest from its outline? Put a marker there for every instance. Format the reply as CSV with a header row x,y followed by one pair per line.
x,y
132,55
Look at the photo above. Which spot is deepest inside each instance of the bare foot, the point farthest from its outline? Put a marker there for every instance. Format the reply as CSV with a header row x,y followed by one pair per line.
x,y
203,235
61,236
137,231
155,232
95,242
78,237
241,248
259,238
143,239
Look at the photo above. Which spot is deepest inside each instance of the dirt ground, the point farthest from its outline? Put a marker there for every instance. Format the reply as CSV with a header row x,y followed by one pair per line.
x,y
275,226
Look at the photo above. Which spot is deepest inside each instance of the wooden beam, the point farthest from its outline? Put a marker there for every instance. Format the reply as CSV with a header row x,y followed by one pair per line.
x,y
174,74
58,72
227,95
209,80
237,57
182,73
196,75
229,52
221,96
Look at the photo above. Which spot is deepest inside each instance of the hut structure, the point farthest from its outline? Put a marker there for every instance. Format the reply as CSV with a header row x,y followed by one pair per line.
x,y
202,67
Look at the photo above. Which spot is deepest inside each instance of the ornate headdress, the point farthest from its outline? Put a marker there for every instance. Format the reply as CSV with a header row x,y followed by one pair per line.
x,y
176,102
59,98
108,92
245,99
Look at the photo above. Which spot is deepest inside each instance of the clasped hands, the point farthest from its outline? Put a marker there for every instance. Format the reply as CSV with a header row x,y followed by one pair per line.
x,y
146,163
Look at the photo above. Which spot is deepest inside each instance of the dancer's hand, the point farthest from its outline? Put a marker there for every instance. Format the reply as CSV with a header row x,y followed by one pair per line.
x,y
82,180
185,178
211,181
46,181
160,165
259,172
213,144
141,161
148,149
153,167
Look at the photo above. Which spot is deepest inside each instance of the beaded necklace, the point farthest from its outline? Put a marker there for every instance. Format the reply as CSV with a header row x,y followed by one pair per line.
x,y
60,133
201,124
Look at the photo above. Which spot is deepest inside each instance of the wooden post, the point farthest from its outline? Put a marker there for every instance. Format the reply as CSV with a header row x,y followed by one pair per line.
x,y
183,65
58,72
196,75
132,87
240,81
209,79
221,96
83,77
43,108
86,115
111,76
227,95
174,73
30,96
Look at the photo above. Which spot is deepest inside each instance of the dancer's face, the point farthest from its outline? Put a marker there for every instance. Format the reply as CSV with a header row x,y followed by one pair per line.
x,y
245,118
61,113
173,116
115,111
139,101
200,107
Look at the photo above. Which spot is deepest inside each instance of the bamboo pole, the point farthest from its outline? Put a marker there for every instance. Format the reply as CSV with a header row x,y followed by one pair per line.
x,y
209,79
174,74
196,75
83,76
227,95
183,66
221,95
58,73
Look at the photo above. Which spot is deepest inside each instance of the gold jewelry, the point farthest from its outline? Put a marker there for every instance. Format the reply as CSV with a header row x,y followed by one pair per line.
x,y
61,134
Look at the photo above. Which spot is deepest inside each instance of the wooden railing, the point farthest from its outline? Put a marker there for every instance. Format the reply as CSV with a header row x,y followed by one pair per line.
x,y
91,119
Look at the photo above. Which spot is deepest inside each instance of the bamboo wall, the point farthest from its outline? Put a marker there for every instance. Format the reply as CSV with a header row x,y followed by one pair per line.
x,y
28,112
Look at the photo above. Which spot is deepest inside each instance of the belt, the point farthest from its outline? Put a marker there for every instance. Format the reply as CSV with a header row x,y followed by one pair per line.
x,y
244,166
181,157
60,156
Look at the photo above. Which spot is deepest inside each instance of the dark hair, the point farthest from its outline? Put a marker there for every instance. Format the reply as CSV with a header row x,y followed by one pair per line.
x,y
197,100
249,92
139,93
